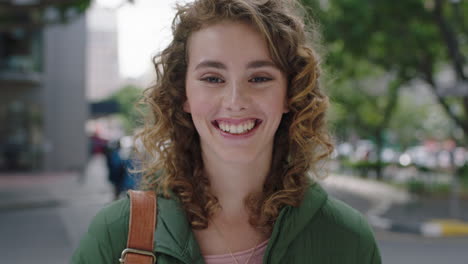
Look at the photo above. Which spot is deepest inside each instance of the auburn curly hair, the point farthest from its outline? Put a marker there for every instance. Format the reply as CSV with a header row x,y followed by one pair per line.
x,y
171,143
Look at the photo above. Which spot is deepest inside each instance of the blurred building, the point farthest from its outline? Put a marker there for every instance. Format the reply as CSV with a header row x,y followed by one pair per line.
x,y
42,97
102,71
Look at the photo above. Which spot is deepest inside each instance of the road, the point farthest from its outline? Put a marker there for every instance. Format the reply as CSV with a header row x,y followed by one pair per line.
x,y
401,248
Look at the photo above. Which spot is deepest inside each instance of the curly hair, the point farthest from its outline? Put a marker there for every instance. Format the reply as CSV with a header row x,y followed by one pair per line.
x,y
171,143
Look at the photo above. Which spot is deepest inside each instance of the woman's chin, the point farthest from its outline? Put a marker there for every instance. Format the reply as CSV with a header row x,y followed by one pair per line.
x,y
239,156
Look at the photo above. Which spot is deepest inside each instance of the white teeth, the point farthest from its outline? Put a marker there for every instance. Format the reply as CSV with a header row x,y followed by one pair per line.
x,y
237,129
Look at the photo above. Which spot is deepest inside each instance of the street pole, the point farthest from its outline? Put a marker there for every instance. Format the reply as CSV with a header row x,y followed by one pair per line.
x,y
454,204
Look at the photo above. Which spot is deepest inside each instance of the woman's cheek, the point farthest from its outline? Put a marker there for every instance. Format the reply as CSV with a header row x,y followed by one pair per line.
x,y
202,102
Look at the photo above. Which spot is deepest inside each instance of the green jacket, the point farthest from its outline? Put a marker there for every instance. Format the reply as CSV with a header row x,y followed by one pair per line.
x,y
321,230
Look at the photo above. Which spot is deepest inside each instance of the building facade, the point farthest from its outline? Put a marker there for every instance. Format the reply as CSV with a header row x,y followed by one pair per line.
x,y
43,108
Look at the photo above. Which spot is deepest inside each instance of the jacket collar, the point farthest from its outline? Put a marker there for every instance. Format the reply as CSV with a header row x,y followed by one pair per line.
x,y
299,217
292,221
174,236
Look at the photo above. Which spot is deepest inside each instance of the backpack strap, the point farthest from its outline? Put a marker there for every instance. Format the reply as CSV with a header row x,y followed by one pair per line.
x,y
140,228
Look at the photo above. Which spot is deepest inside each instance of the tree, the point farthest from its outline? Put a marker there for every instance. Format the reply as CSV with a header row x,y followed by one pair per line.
x,y
412,38
416,120
358,70
37,14
127,98
359,108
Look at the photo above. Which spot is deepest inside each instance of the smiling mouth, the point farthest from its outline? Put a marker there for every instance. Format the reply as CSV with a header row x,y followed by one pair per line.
x,y
237,129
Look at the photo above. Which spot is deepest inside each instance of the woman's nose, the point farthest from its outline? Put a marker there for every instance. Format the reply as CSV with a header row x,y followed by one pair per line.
x,y
235,98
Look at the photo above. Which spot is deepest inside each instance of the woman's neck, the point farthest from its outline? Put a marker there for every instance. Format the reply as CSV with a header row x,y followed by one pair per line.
x,y
231,183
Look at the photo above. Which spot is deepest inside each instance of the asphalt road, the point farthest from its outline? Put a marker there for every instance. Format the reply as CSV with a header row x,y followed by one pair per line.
x,y
397,248
402,248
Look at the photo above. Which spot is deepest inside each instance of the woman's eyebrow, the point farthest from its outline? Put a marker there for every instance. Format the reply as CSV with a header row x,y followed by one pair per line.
x,y
261,63
211,64
250,65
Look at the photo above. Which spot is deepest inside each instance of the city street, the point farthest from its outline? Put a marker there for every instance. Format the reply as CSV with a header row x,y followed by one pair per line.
x,y
42,224
314,86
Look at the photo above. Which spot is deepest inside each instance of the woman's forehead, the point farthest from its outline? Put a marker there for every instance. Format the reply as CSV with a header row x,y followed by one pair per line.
x,y
230,41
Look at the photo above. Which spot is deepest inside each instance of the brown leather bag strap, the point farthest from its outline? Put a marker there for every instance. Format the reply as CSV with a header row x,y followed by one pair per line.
x,y
140,228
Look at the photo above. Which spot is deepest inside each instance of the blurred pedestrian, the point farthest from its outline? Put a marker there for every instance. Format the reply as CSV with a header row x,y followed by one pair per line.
x,y
97,144
115,167
238,124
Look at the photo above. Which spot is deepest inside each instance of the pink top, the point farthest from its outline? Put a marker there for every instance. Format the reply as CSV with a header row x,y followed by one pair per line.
x,y
241,256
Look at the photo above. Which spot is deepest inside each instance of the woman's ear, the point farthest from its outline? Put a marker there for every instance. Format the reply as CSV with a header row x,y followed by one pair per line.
x,y
186,106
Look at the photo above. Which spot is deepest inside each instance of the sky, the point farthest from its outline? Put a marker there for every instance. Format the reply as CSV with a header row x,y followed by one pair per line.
x,y
144,29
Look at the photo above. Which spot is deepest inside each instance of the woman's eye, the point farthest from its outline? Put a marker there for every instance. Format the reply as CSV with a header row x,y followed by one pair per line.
x,y
260,79
212,79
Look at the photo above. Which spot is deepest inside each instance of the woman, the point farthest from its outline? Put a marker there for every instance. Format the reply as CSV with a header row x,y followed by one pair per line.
x,y
238,122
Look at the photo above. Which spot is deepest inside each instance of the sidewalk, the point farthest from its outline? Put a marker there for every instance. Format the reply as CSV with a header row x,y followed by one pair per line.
x,y
396,210
45,215
36,190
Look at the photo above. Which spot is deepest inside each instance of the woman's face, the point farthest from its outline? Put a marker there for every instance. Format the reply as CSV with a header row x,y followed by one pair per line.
x,y
235,93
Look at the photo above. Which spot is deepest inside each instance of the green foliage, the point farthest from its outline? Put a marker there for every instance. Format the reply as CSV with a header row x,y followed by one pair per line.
x,y
395,36
364,94
364,166
417,187
128,98
462,172
408,40
82,5
34,15
412,39
356,106
435,189
414,121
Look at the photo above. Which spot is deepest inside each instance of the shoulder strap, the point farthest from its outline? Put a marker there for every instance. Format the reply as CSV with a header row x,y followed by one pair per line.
x,y
140,228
